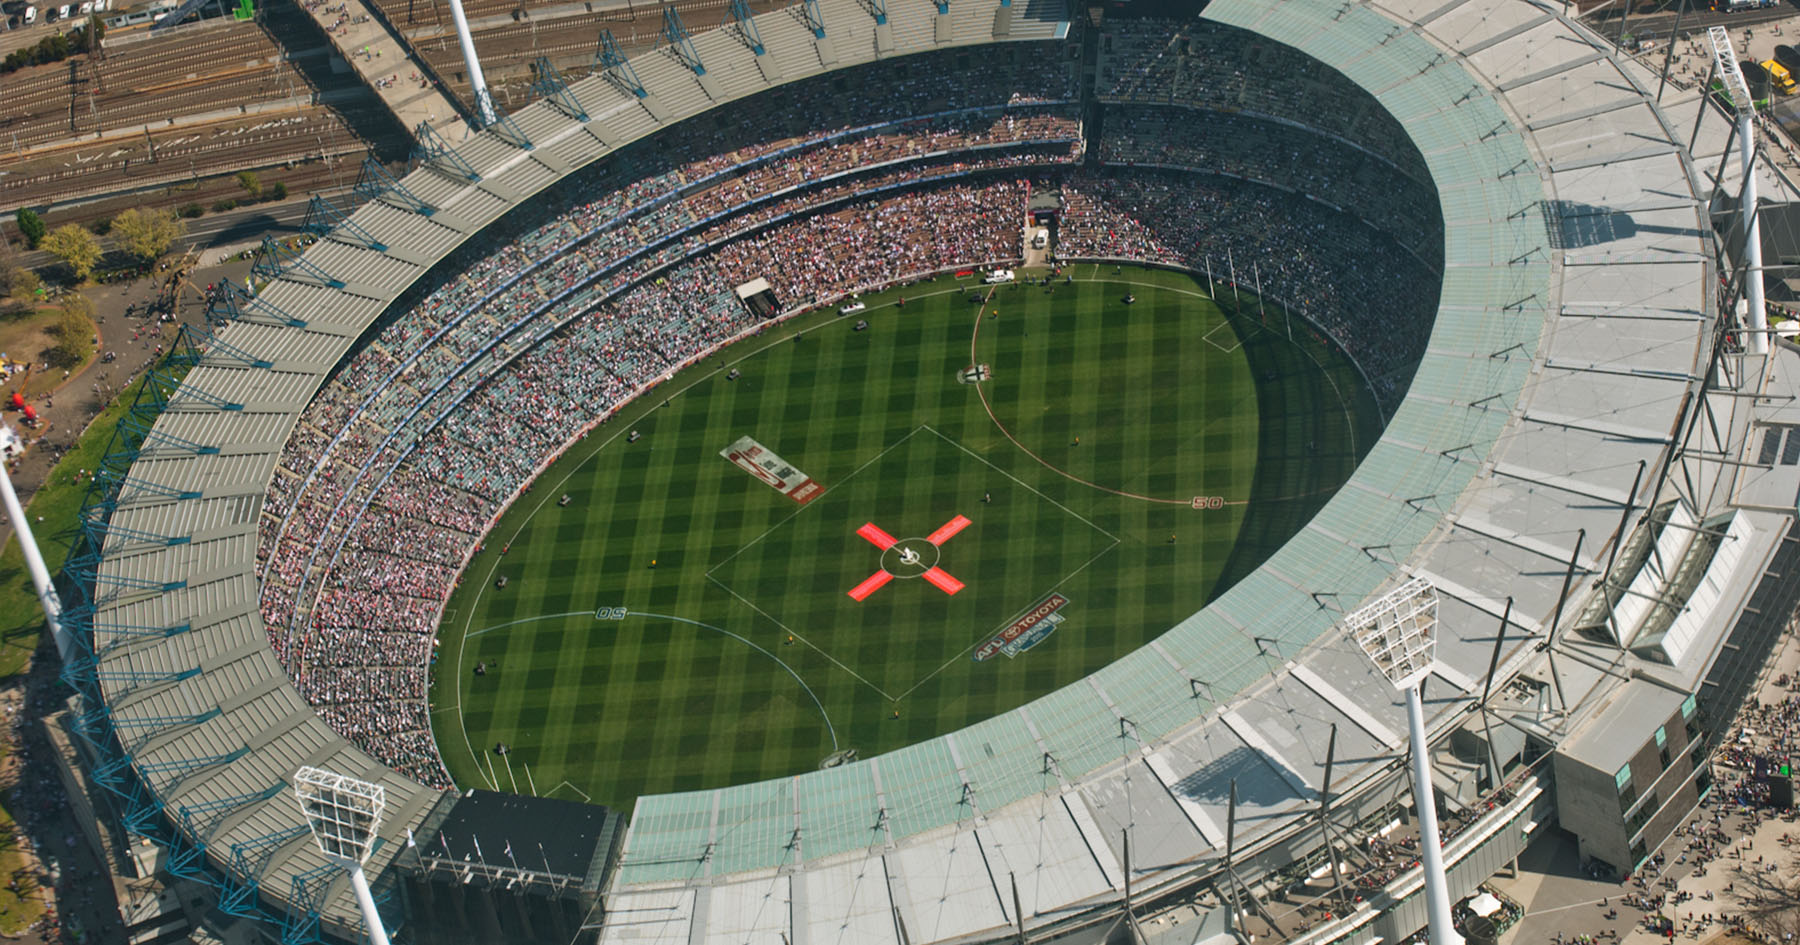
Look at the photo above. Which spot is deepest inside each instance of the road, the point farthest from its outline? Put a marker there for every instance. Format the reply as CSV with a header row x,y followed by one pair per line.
x,y
1658,25
234,227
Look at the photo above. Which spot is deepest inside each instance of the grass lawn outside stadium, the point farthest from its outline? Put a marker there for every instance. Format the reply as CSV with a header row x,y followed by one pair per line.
x,y
741,654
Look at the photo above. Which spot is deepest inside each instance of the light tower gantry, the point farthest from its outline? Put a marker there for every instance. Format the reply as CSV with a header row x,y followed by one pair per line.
x,y
1398,633
344,814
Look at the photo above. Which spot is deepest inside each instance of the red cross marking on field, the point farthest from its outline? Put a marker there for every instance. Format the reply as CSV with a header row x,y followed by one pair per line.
x,y
938,577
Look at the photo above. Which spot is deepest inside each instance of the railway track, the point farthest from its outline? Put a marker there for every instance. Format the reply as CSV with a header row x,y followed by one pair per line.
x,y
277,139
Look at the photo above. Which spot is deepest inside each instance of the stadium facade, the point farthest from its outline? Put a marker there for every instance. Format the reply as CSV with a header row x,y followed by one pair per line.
x,y
1608,537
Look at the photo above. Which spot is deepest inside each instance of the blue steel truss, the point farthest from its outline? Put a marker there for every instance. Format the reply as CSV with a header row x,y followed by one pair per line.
x,y
131,490
943,6
325,219
275,260
232,302
91,574
154,442
115,770
308,895
743,23
506,129
182,767
878,9
135,677
158,723
678,38
550,86
815,20
96,528
197,346
617,68
105,636
176,393
376,183
198,820
433,151
248,861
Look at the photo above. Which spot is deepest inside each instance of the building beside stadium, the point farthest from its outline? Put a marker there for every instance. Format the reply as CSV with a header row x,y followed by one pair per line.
x,y
1581,458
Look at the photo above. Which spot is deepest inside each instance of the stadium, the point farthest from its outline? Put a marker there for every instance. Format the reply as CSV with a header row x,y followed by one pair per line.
x,y
1478,211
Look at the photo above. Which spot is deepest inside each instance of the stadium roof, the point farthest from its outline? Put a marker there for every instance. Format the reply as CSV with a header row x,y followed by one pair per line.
x,y
204,711
1559,360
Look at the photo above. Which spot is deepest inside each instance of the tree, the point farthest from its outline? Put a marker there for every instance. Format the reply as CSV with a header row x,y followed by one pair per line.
x,y
25,287
278,191
74,331
147,233
251,183
75,246
31,226
19,285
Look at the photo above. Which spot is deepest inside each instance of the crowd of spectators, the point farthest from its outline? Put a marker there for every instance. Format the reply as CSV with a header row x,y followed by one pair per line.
x,y
370,628
576,305
356,568
1226,69
1282,155
1376,300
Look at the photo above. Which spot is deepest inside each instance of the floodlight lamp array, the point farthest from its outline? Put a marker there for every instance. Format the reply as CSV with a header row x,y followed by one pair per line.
x,y
343,812
1398,632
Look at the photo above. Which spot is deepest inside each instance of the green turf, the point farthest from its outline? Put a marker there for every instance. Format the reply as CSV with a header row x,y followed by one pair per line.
x,y
743,656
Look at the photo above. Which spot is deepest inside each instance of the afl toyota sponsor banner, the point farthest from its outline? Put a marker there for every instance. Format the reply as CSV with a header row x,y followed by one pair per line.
x,y
1026,632
761,462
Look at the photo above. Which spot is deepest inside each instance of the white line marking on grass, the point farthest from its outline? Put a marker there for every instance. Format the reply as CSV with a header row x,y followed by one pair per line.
x,y
752,644
827,491
1235,343
978,458
1002,625
514,623
565,784
797,635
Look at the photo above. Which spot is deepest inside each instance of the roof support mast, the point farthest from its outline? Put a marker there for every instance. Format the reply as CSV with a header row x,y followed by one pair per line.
x,y
484,100
1756,320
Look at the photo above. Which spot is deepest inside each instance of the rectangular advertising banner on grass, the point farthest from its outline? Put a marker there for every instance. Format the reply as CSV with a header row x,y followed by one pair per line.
x,y
1026,632
761,462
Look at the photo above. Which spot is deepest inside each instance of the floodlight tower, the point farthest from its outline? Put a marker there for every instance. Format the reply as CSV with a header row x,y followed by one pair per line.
x,y
10,446
484,100
1399,634
344,814
1756,324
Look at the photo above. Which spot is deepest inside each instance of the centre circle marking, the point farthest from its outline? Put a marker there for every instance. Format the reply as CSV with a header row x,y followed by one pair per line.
x,y
892,559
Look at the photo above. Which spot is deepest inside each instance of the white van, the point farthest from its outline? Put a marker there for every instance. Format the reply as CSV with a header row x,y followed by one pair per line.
x,y
998,277
30,15
1040,238
62,12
